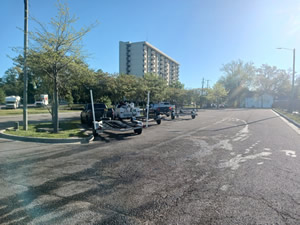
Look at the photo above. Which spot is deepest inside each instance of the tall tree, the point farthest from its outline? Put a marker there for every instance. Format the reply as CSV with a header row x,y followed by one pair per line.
x,y
12,82
237,80
271,80
156,85
217,94
2,96
55,48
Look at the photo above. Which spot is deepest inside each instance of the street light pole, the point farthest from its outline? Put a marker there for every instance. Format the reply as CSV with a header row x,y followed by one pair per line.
x,y
25,114
293,79
291,101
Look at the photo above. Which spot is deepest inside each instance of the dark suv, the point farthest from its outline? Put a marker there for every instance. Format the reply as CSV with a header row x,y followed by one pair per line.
x,y
101,111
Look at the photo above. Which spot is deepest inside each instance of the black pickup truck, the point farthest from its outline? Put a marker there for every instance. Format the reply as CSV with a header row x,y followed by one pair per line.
x,y
163,108
101,111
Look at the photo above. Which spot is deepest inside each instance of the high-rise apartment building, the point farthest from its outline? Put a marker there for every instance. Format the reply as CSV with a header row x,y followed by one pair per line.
x,y
141,57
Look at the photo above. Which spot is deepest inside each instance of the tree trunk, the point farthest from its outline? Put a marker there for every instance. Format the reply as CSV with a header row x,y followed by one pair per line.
x,y
55,120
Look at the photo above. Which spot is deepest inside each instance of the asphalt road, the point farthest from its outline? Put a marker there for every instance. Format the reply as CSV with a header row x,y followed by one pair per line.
x,y
225,167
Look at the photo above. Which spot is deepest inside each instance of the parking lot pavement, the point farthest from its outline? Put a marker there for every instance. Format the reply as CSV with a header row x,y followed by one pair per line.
x,y
224,167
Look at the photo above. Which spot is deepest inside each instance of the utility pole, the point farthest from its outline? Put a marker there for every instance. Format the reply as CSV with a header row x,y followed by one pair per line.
x,y
207,84
202,91
25,114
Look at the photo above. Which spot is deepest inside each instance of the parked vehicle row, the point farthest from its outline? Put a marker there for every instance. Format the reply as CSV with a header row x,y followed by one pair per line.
x,y
109,119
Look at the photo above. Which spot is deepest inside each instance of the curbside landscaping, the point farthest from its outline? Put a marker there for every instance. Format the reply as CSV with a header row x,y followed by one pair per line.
x,y
46,140
287,118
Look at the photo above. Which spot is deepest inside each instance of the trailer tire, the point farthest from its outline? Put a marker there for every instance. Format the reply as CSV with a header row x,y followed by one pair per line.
x,y
158,122
193,116
172,117
138,131
95,134
81,120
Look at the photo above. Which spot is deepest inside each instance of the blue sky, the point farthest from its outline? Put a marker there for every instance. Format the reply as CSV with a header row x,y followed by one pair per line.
x,y
201,35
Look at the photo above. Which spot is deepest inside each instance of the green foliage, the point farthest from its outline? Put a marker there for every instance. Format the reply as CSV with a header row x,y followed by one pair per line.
x,y
12,80
237,79
217,94
270,80
57,52
176,84
105,99
156,85
2,96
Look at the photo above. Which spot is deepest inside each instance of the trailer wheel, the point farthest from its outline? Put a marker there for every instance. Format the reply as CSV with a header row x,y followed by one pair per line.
x,y
158,122
193,116
95,134
172,117
138,131
81,120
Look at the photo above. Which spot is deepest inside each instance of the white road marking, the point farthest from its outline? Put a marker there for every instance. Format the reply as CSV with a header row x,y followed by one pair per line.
x,y
243,134
260,163
183,135
224,187
290,153
267,149
234,163
296,129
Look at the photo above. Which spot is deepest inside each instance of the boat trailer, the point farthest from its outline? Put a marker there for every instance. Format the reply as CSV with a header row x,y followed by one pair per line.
x,y
117,126
184,112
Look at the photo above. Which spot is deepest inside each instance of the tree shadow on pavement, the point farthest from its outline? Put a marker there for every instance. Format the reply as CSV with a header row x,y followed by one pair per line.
x,y
108,136
22,208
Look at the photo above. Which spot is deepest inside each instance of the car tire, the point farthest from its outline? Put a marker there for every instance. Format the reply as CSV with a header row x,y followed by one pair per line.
x,y
193,116
158,122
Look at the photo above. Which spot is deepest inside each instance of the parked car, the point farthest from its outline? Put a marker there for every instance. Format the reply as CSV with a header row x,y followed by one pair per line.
x,y
101,111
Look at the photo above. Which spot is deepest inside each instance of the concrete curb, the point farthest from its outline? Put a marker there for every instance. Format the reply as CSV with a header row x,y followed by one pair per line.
x,y
288,119
46,140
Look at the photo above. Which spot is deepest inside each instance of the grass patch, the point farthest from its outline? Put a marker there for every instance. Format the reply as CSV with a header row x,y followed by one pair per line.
x,y
71,128
9,112
293,116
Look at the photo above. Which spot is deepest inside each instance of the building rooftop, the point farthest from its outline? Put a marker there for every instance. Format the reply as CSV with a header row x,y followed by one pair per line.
x,y
156,49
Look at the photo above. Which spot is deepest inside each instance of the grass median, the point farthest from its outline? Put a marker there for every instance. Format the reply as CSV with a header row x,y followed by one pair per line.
x,y
10,112
293,116
68,129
